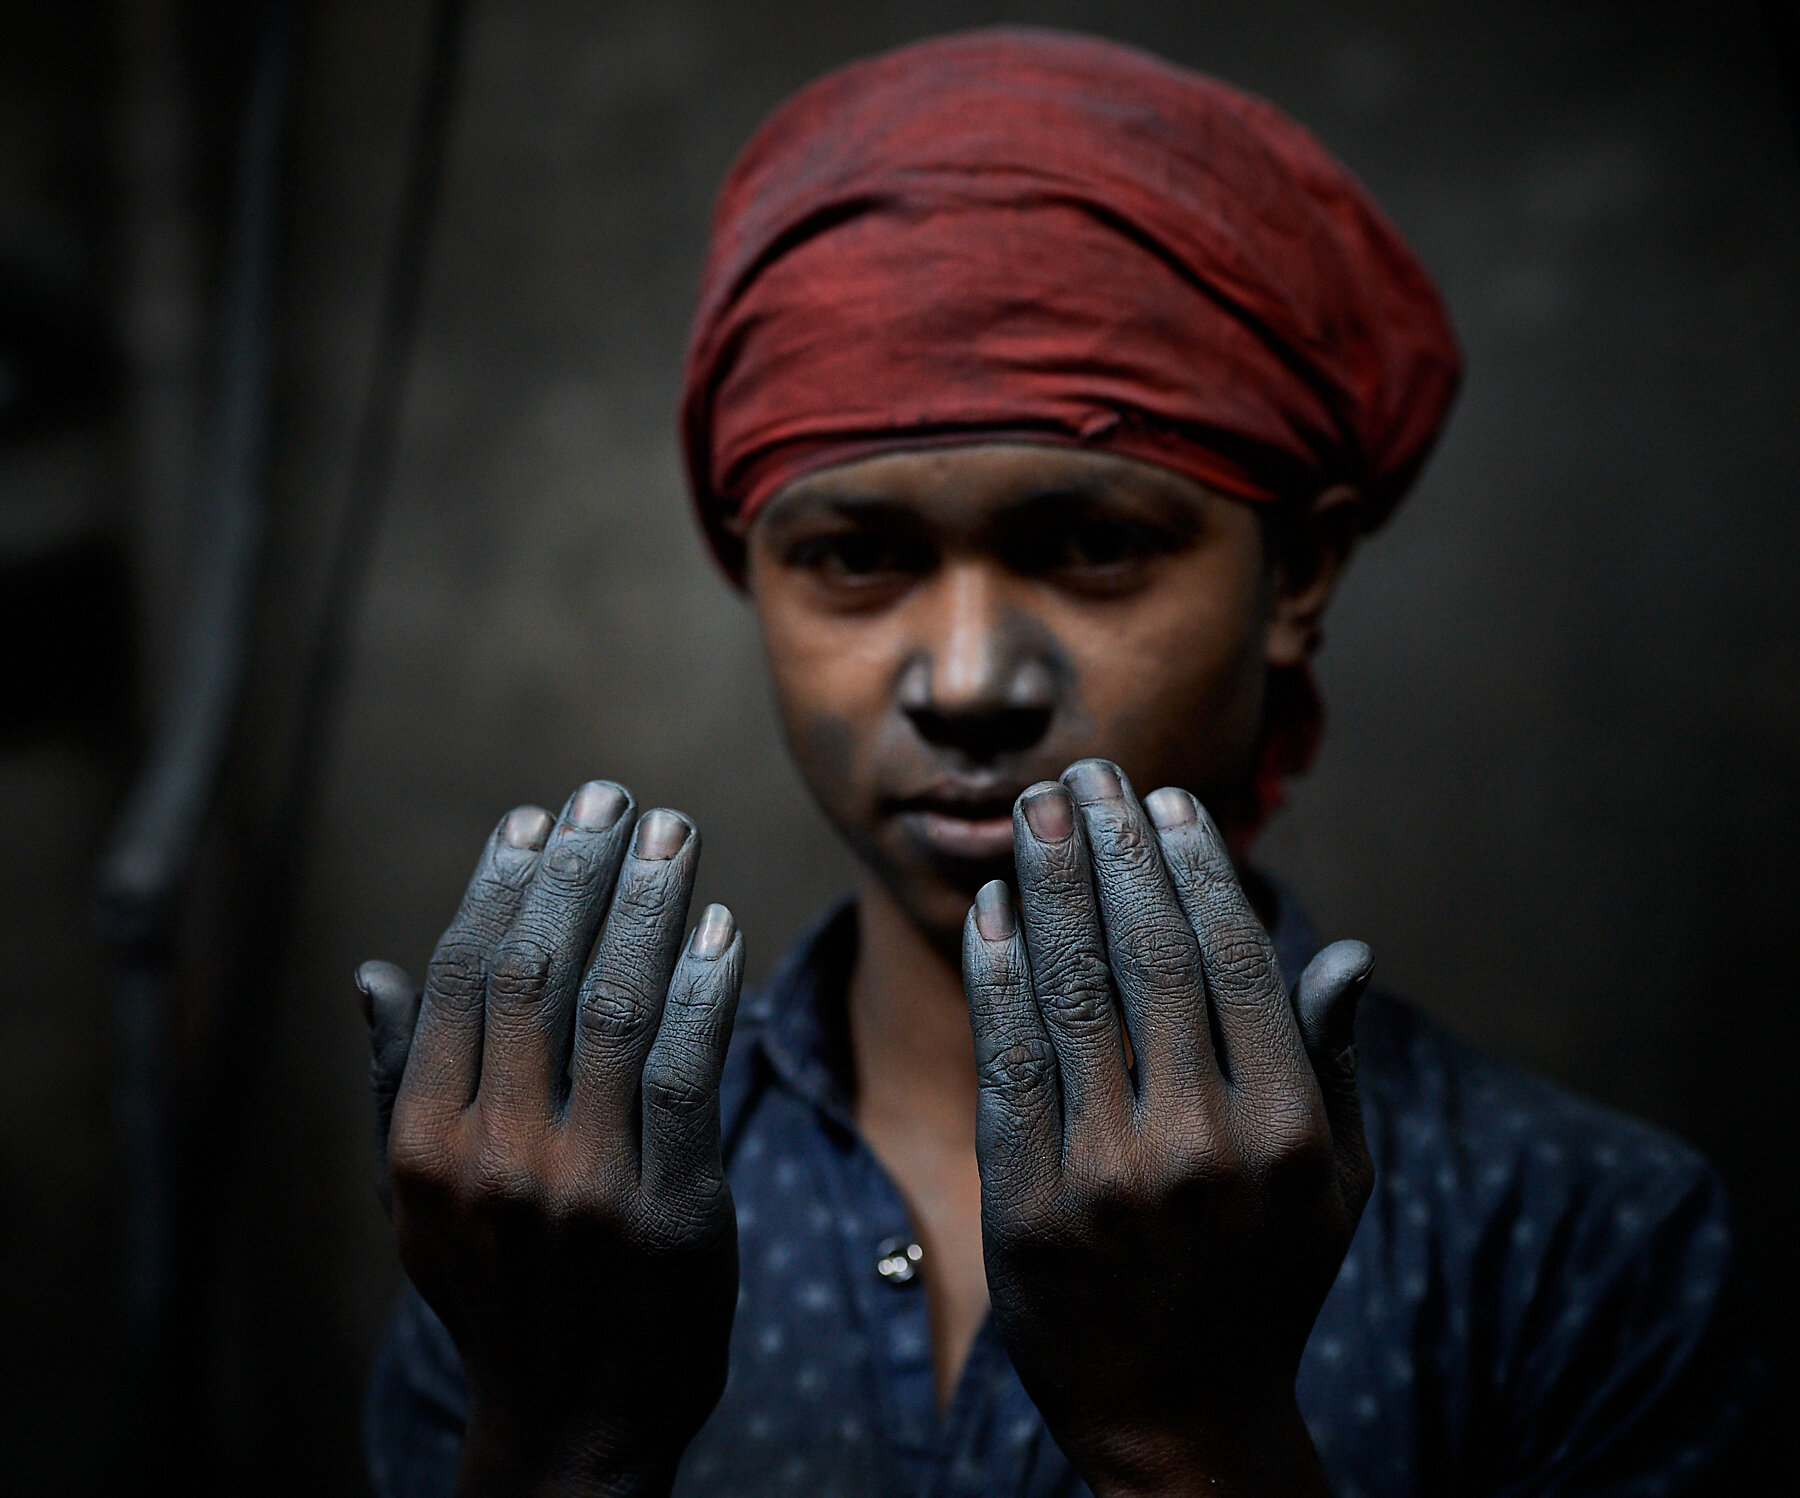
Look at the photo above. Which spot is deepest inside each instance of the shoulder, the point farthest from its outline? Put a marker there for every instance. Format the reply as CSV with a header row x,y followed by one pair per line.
x,y
1493,1134
1577,1267
1530,1194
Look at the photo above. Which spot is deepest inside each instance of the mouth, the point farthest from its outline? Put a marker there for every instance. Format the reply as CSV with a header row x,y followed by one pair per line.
x,y
965,826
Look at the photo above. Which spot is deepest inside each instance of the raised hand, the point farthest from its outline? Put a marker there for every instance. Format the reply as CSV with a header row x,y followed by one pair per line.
x,y
553,1150
1172,1159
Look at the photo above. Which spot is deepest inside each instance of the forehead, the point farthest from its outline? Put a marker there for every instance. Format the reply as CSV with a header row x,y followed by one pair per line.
x,y
978,483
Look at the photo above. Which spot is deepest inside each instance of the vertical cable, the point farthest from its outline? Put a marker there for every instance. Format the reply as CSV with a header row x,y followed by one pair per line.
x,y
146,866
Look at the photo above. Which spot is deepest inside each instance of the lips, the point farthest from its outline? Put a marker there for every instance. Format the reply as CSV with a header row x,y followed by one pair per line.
x,y
962,823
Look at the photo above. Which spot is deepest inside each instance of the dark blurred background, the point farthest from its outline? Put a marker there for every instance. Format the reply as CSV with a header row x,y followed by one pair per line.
x,y
1558,793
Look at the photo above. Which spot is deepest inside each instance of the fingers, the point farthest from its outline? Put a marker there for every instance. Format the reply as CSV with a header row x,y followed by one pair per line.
x,y
390,1005
536,967
1018,1113
1258,1039
1325,1001
622,994
444,1066
681,1075
1154,953
1066,950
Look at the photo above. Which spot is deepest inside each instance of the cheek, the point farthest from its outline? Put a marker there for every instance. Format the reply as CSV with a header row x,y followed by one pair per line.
x,y
824,748
1177,684
830,685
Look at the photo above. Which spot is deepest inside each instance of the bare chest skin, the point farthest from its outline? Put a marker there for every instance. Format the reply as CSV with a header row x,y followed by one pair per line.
x,y
915,1108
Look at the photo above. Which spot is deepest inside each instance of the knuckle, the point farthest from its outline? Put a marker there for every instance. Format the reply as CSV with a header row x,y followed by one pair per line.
x,y
1108,1181
458,970
1208,880
593,1190
421,1159
1197,1147
1022,1068
1157,953
643,898
1075,985
678,1086
613,1010
993,971
1124,842
519,971
566,863
504,1176
692,1223
1058,878
1289,1135
1240,954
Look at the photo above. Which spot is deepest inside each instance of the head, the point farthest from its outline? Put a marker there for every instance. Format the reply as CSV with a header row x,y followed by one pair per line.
x,y
1037,391
945,627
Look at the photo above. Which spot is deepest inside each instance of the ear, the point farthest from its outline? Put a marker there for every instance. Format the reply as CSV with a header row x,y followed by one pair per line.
x,y
1310,548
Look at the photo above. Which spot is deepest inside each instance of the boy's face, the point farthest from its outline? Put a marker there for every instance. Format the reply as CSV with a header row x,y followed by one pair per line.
x,y
947,626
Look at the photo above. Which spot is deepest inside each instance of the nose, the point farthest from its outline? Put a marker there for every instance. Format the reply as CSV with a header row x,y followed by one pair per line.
x,y
985,675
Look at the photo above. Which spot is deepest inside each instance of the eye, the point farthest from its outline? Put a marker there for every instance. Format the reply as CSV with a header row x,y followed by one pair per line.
x,y
855,554
1096,542
1090,551
860,559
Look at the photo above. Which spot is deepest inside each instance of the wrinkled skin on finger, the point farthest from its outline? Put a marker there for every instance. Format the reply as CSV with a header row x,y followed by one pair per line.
x,y
1171,1148
550,1107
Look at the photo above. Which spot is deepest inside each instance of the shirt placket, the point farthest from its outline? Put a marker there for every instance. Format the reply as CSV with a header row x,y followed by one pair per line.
x,y
875,1230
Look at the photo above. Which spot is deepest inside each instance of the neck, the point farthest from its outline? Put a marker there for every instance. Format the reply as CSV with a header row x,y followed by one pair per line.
x,y
909,1022
915,1106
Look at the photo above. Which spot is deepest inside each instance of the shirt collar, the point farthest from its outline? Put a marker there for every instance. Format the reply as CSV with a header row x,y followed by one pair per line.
x,y
803,1017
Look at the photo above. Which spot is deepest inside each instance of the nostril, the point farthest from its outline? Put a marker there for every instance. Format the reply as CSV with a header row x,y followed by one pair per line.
x,y
985,734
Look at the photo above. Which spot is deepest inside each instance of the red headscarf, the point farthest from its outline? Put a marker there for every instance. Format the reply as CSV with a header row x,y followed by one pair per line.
x,y
1031,234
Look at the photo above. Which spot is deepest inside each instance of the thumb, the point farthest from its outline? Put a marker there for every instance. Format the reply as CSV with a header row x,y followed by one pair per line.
x,y
390,1005
1325,1001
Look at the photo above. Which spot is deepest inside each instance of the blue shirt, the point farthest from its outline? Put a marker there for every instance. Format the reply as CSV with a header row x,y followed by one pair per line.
x,y
1540,1297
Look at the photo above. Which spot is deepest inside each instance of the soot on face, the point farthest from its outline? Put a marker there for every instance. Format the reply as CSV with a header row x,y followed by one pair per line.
x,y
938,643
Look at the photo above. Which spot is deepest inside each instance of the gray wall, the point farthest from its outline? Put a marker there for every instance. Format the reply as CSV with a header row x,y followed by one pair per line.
x,y
1557,793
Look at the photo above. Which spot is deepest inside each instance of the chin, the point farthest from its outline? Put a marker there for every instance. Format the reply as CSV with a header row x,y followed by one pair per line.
x,y
936,898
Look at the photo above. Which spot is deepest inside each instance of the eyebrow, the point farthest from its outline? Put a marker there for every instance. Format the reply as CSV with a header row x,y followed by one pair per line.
x,y
875,506
1143,506
860,508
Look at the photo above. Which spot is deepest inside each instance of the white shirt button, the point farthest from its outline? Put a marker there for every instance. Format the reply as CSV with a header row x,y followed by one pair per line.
x,y
897,1260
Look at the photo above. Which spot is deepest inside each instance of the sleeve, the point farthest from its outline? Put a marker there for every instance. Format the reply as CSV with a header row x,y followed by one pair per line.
x,y
417,1406
1633,1370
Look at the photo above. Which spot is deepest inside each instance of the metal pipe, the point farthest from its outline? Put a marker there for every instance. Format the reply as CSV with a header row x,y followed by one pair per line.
x,y
149,857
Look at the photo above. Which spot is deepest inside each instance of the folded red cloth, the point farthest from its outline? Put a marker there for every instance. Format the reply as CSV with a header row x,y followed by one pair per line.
x,y
1029,232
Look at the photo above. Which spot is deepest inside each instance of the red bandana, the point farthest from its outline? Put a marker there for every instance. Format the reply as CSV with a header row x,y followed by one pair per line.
x,y
1030,234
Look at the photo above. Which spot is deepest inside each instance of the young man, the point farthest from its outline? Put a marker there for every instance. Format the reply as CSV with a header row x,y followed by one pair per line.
x,y
1037,393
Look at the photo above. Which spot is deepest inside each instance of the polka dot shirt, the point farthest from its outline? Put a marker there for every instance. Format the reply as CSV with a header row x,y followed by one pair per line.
x,y
1540,1298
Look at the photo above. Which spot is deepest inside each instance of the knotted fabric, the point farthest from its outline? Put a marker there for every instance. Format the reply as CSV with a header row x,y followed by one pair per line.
x,y
1038,236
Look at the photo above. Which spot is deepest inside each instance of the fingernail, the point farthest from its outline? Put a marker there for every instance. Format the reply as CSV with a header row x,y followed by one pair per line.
x,y
660,834
1169,807
525,827
994,912
1093,780
596,806
713,935
1048,813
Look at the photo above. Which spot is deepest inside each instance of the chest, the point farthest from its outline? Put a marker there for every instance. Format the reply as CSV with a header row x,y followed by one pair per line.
x,y
937,1178
832,1387
833,1384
